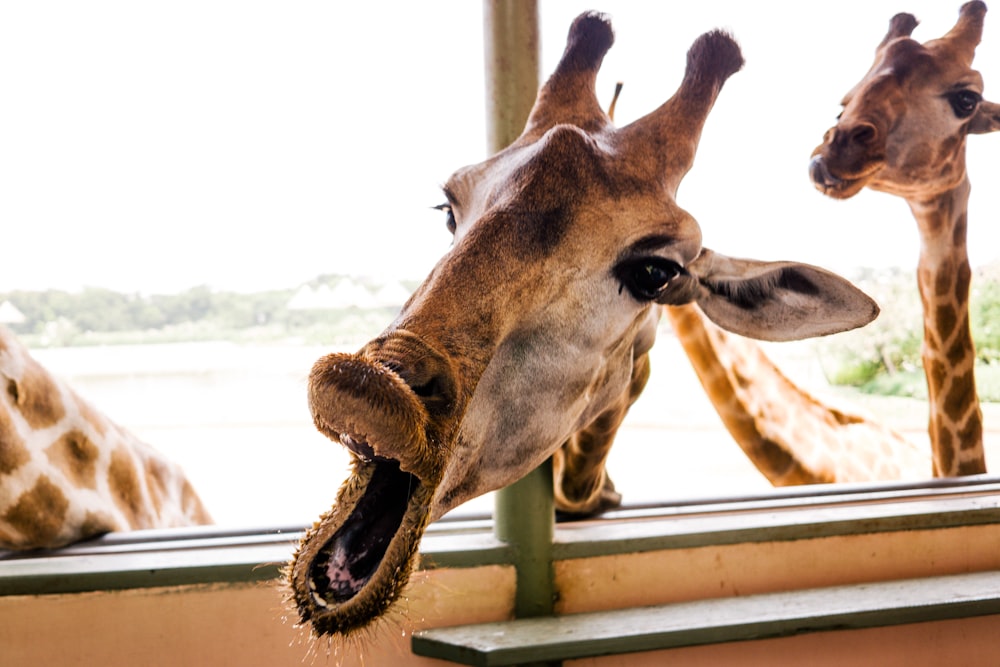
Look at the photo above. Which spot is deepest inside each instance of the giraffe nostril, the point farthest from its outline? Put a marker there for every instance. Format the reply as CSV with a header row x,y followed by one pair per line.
x,y
864,134
427,389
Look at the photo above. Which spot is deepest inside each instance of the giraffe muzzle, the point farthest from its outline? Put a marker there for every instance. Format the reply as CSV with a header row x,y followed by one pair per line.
x,y
354,562
369,409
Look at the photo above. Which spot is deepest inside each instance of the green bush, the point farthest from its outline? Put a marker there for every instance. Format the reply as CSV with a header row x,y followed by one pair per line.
x,y
884,357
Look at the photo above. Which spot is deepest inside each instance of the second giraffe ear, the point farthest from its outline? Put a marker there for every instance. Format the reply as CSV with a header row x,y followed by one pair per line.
x,y
986,119
777,301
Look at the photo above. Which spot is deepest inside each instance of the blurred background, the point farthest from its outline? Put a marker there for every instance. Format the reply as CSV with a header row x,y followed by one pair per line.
x,y
199,198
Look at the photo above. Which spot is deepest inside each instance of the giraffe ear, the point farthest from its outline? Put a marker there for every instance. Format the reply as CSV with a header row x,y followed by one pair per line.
x,y
777,301
986,119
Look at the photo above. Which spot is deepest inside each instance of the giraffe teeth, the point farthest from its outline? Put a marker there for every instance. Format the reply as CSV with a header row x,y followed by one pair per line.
x,y
318,599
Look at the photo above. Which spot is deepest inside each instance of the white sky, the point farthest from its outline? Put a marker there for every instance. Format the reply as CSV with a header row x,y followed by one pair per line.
x,y
248,144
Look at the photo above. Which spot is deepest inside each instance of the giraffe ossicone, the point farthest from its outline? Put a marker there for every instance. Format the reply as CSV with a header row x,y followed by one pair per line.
x,y
903,131
529,338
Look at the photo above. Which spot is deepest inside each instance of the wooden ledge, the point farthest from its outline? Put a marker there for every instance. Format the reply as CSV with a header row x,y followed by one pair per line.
x,y
769,615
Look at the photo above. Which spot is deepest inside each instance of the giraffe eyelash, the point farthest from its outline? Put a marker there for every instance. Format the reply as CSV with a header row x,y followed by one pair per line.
x,y
450,219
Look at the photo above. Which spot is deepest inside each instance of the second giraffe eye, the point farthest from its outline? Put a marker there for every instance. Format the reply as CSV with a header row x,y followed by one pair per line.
x,y
646,278
450,220
964,102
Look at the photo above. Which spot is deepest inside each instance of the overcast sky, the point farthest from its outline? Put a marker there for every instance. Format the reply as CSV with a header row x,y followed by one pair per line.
x,y
156,146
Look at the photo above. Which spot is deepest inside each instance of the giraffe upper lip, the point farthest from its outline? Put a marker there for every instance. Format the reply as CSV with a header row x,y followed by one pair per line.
x,y
831,185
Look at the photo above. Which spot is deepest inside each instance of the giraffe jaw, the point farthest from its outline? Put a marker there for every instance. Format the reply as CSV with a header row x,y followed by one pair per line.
x,y
355,561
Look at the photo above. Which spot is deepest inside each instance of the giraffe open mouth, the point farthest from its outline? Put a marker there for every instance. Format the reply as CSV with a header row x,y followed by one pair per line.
x,y
351,557
354,562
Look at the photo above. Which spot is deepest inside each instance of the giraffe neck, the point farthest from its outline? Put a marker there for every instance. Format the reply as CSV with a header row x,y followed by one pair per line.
x,y
943,276
68,473
789,435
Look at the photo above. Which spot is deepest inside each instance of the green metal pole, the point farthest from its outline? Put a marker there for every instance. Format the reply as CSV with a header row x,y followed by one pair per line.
x,y
510,40
524,511
523,518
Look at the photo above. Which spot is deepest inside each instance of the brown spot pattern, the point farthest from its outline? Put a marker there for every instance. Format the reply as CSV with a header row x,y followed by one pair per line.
x,y
945,454
947,148
962,347
76,456
936,374
36,396
945,318
39,514
959,232
13,453
124,484
963,278
971,435
919,154
942,281
960,396
974,467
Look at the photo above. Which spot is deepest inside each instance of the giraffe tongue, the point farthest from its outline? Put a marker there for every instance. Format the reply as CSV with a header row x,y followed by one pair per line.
x,y
359,447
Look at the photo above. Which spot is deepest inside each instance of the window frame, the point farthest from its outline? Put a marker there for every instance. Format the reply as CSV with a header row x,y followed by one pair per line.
x,y
211,555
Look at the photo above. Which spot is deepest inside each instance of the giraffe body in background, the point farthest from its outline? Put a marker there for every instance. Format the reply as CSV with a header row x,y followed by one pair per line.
x,y
791,436
67,473
903,130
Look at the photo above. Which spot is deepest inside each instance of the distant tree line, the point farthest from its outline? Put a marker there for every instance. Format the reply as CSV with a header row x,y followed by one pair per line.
x,y
102,310
95,315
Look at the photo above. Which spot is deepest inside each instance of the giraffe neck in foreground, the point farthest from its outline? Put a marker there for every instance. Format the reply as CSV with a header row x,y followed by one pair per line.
x,y
944,276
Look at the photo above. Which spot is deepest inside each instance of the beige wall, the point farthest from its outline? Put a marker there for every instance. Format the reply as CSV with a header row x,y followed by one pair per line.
x,y
231,624
610,582
971,642
248,624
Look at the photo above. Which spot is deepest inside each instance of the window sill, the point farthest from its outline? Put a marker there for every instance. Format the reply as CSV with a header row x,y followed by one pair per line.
x,y
210,554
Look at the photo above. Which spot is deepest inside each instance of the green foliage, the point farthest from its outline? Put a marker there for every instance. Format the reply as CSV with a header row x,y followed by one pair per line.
x,y
884,357
889,345
97,316
984,319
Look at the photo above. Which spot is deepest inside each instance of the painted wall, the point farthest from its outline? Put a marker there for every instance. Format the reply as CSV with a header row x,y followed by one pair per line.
x,y
248,624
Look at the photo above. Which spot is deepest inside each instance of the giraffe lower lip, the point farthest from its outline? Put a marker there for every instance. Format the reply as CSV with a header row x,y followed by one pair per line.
x,y
349,559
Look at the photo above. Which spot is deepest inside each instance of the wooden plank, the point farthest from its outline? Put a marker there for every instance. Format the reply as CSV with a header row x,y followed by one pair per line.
x,y
713,621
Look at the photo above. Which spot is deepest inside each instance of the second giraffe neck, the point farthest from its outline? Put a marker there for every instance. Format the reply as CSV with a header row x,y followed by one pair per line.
x,y
943,275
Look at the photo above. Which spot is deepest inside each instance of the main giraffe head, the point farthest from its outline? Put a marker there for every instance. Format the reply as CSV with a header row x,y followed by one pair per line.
x,y
904,125
533,325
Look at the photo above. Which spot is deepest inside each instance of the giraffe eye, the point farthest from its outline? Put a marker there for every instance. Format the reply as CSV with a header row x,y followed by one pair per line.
x,y
645,278
964,102
450,219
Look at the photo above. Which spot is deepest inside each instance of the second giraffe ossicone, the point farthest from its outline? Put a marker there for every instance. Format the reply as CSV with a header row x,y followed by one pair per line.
x,y
531,335
903,131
